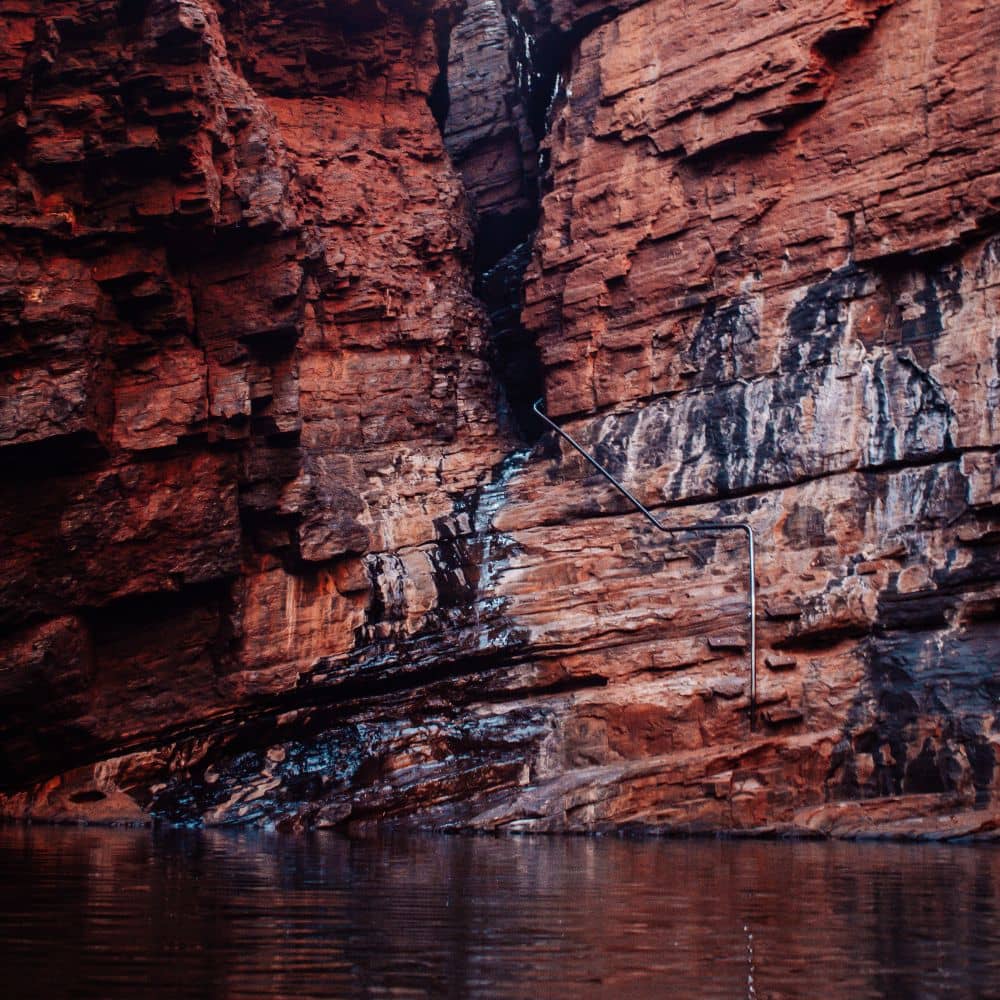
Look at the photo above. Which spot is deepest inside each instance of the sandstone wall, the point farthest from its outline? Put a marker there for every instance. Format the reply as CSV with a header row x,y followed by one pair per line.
x,y
270,557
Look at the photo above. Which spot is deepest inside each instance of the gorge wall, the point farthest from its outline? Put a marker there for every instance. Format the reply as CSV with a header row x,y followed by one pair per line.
x,y
281,545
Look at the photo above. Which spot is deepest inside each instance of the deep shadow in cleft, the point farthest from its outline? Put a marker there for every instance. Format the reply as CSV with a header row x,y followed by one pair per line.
x,y
486,145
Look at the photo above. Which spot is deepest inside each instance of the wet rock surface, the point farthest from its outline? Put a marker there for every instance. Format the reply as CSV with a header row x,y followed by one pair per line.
x,y
270,555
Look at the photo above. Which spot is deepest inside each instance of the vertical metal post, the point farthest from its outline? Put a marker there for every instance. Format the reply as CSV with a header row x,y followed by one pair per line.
x,y
705,527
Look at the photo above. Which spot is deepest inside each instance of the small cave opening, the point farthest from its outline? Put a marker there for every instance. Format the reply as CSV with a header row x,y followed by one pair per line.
x,y
492,100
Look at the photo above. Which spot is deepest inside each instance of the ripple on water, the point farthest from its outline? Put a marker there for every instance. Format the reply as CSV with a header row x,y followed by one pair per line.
x,y
106,913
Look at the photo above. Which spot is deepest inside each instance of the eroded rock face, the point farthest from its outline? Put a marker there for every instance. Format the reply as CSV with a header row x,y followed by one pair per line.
x,y
268,555
242,364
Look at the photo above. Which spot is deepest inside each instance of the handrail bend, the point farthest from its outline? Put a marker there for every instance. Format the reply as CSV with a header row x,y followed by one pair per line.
x,y
708,526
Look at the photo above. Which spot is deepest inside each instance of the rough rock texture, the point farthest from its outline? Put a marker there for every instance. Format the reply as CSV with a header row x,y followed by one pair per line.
x,y
242,373
486,122
268,556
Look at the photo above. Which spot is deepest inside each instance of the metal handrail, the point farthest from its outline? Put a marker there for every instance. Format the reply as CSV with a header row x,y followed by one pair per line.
x,y
709,526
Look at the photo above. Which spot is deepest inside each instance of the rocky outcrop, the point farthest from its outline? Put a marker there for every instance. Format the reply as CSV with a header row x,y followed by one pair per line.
x,y
270,557
242,372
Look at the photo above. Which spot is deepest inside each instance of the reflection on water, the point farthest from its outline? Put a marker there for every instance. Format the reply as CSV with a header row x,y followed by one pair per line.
x,y
133,914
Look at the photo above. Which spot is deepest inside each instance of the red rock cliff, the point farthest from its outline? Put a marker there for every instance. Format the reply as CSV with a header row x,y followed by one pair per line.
x,y
272,552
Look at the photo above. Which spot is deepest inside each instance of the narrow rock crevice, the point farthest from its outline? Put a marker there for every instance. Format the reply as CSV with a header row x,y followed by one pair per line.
x,y
489,102
438,99
503,69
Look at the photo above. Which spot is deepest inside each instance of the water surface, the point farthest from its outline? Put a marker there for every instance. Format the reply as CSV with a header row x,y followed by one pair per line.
x,y
107,913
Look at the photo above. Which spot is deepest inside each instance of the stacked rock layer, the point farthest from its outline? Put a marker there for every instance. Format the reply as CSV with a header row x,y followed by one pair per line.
x,y
270,555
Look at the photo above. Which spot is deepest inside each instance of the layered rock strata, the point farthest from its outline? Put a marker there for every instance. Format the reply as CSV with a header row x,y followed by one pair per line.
x,y
243,373
268,556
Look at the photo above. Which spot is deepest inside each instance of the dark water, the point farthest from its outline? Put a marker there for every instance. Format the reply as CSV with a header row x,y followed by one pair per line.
x,y
135,914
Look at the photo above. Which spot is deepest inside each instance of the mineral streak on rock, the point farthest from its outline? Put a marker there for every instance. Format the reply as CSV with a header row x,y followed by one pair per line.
x,y
268,556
